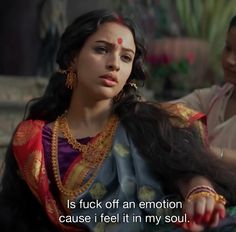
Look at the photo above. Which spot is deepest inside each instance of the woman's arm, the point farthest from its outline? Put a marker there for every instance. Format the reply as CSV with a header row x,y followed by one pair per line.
x,y
199,99
226,155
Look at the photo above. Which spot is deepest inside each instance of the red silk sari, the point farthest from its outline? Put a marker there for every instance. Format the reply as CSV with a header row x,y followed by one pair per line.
x,y
29,153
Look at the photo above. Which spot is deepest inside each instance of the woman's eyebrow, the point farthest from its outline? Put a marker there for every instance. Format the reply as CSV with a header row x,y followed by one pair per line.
x,y
114,45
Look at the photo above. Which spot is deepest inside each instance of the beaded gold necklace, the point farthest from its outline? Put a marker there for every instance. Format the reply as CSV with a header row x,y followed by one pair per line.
x,y
93,153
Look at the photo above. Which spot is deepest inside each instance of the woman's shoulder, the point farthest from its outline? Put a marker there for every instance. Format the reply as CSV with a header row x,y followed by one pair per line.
x,y
199,99
30,124
27,129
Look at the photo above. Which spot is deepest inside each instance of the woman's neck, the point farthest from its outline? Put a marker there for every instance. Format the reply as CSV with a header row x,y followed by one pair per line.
x,y
87,118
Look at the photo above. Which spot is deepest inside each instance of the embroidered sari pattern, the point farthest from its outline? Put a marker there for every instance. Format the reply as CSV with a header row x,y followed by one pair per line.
x,y
79,179
123,175
82,172
190,118
31,169
29,154
26,132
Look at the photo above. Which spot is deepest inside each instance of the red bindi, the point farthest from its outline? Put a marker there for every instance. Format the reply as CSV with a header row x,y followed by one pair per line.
x,y
119,40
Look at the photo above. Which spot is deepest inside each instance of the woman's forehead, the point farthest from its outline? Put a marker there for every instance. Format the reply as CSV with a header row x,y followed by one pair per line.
x,y
114,33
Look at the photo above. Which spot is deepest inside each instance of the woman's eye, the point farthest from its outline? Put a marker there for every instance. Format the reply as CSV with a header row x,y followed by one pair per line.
x,y
101,50
126,58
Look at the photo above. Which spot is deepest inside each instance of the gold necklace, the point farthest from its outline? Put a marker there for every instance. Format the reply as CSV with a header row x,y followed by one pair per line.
x,y
93,153
87,149
64,127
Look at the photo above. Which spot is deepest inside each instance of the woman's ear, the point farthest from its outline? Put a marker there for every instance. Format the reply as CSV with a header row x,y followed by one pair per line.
x,y
73,63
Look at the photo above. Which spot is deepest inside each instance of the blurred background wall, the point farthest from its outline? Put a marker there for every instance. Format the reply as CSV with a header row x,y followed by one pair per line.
x,y
30,30
184,37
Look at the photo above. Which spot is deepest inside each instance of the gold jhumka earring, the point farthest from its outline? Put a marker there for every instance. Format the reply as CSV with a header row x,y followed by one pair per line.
x,y
71,77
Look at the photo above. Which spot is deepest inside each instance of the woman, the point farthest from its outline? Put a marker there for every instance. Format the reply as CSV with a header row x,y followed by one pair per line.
x,y
218,103
89,140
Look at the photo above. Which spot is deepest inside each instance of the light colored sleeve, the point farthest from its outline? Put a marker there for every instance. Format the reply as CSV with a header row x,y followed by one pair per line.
x,y
199,99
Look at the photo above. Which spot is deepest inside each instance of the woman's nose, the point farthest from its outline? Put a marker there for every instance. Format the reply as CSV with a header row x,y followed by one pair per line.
x,y
113,63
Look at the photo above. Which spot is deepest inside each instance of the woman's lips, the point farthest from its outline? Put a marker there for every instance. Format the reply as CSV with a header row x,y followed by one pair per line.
x,y
108,80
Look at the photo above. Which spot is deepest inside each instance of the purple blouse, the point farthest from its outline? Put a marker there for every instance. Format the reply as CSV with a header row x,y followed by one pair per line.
x,y
67,153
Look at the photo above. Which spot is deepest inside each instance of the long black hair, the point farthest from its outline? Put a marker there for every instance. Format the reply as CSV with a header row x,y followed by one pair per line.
x,y
19,211
173,152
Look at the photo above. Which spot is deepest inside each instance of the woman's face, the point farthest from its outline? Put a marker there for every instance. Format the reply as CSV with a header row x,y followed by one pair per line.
x,y
105,62
229,57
